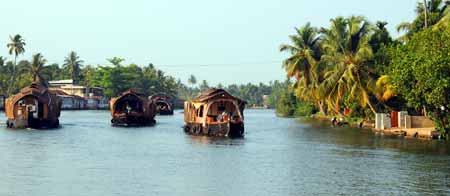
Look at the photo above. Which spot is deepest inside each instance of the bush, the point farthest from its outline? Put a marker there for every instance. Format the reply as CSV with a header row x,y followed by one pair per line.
x,y
304,109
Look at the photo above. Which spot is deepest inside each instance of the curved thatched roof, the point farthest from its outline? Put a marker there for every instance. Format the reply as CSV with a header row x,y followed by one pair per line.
x,y
130,92
35,89
215,93
162,97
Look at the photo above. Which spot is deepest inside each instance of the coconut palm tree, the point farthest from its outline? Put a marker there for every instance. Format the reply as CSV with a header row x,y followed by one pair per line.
x,y
36,66
16,46
72,63
429,13
192,80
304,64
347,50
304,53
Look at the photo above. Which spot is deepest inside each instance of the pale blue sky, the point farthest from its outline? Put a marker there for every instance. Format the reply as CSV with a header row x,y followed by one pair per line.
x,y
228,41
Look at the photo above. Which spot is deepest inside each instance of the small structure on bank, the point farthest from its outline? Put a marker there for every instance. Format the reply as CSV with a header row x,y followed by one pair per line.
x,y
132,109
164,103
215,112
401,123
33,107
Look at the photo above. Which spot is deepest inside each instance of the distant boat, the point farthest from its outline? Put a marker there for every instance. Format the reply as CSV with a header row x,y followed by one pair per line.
x,y
215,112
33,107
164,104
132,109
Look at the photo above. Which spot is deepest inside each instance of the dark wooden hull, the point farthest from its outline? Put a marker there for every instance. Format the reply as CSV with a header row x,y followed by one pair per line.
x,y
33,123
165,112
132,121
232,130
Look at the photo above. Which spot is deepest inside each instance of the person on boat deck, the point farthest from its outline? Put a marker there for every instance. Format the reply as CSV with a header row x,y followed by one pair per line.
x,y
224,116
221,117
127,107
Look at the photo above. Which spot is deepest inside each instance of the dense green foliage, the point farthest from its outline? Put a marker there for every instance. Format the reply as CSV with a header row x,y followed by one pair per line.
x,y
354,67
421,72
116,78
252,93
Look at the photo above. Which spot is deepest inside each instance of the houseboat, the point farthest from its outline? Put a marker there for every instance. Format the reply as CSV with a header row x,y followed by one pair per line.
x,y
33,107
164,104
215,112
132,109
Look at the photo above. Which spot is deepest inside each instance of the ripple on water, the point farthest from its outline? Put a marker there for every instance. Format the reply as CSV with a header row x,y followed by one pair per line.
x,y
87,156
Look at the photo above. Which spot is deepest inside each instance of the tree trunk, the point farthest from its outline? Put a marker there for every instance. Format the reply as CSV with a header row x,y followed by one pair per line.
x,y
321,107
426,13
371,107
13,78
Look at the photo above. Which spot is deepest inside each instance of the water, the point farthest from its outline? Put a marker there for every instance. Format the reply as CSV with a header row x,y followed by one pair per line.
x,y
277,157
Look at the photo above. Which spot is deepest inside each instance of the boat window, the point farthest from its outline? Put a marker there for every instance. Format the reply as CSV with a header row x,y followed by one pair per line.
x,y
200,112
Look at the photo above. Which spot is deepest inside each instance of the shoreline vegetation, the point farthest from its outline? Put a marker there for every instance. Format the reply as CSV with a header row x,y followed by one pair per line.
x,y
351,69
354,69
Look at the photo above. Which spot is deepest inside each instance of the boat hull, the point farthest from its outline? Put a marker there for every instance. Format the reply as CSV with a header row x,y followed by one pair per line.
x,y
232,130
132,121
165,112
34,124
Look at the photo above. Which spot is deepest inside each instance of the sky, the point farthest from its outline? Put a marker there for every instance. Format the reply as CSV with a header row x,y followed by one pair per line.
x,y
227,41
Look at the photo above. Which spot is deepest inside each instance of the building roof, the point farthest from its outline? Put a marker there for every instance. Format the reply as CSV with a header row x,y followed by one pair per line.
x,y
58,92
71,86
61,81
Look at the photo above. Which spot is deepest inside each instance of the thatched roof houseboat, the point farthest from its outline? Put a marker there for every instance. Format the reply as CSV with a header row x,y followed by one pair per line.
x,y
215,112
33,107
164,103
132,109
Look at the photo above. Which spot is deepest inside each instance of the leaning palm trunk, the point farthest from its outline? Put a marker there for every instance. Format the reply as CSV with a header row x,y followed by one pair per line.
x,y
321,107
13,78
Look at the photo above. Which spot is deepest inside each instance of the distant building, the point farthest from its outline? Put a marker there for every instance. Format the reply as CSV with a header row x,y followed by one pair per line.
x,y
266,101
2,102
79,97
70,88
95,103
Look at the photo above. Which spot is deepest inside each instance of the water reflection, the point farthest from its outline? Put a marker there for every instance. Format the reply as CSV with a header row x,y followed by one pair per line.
x,y
205,140
347,136
276,157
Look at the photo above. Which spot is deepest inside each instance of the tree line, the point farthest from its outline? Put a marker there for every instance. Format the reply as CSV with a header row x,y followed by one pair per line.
x,y
355,68
115,77
256,95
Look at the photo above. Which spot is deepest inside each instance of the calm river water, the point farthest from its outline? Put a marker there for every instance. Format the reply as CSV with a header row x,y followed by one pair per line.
x,y
277,157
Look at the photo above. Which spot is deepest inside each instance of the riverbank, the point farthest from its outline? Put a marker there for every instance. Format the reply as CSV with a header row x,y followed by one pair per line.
x,y
417,133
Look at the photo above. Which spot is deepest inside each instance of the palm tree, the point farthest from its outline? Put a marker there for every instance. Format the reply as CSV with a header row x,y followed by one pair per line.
x,y
116,61
72,63
304,64
36,66
305,53
16,47
347,49
192,80
429,13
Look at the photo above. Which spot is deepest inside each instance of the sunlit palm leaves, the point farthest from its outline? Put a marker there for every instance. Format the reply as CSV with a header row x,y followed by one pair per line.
x,y
347,51
305,52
